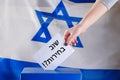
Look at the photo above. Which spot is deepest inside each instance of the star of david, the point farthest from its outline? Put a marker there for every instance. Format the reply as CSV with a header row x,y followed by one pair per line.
x,y
50,17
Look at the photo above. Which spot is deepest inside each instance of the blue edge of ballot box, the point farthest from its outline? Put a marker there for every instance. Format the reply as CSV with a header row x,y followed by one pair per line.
x,y
58,74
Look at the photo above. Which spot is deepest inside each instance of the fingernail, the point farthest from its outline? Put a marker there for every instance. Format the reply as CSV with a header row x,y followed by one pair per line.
x,y
65,44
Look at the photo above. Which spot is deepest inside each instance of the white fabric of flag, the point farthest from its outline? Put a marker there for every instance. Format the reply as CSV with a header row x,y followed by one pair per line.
x,y
27,25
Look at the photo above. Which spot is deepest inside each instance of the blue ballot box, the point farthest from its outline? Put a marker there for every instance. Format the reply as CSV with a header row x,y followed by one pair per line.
x,y
58,74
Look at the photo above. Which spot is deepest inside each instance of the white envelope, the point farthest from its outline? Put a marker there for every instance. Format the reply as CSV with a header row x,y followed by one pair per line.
x,y
52,54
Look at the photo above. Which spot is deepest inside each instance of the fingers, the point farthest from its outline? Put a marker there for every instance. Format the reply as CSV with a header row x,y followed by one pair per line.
x,y
72,40
69,38
75,42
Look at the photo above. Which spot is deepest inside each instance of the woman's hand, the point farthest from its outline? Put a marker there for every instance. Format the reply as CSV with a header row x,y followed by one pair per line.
x,y
70,35
97,10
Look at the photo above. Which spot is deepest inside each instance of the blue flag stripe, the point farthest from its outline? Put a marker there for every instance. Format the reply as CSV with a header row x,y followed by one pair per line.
x,y
11,70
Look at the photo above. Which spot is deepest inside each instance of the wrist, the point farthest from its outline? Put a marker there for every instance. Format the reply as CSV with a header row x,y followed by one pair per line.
x,y
82,26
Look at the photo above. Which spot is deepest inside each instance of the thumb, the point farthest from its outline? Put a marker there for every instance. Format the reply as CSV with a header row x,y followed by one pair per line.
x,y
66,35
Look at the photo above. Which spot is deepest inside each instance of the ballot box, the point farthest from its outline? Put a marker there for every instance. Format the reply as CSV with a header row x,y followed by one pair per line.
x,y
58,74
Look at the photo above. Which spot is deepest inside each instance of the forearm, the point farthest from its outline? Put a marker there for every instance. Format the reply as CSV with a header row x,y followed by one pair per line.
x,y
97,10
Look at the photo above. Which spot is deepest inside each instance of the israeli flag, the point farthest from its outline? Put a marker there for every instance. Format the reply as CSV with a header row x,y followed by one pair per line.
x,y
27,25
